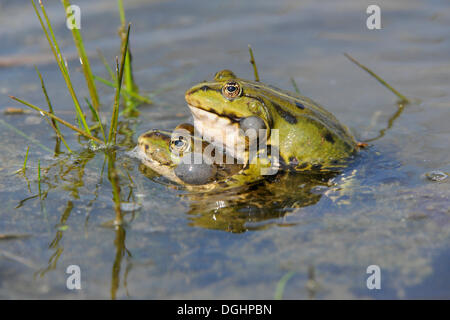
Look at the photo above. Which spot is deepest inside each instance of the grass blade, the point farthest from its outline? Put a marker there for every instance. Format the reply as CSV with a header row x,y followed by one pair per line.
x,y
63,122
59,59
97,118
39,177
84,60
402,98
54,124
124,90
252,61
281,284
129,83
24,168
105,63
114,119
294,84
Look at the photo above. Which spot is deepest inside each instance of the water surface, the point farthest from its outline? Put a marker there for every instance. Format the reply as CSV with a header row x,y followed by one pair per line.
x,y
382,210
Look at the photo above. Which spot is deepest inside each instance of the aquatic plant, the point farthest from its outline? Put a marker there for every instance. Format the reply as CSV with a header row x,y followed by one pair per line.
x,y
106,142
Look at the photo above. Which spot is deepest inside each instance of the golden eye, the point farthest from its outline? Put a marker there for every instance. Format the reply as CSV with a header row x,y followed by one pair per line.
x,y
179,144
231,90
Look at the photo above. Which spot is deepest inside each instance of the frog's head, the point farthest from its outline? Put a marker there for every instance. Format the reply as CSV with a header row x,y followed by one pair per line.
x,y
154,146
223,106
171,155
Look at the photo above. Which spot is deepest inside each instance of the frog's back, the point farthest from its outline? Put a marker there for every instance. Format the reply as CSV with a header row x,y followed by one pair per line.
x,y
309,135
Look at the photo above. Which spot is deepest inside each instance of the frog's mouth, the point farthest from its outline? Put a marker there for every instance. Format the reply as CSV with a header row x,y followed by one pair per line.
x,y
222,131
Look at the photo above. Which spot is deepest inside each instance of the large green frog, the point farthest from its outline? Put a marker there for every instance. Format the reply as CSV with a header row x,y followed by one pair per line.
x,y
308,136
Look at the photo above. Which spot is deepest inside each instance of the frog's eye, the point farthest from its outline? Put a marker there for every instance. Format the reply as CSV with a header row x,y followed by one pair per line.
x,y
179,144
180,141
231,90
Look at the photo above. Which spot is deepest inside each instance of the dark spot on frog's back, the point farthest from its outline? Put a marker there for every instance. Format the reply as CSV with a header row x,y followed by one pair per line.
x,y
299,105
329,137
286,115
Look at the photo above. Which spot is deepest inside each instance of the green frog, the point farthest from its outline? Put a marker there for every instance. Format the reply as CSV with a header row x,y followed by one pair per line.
x,y
312,145
308,136
185,160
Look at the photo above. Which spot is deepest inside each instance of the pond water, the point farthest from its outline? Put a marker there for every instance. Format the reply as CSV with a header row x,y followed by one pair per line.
x,y
381,210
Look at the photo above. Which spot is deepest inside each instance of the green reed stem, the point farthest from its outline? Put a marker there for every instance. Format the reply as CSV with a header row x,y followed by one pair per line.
x,y
84,60
50,108
39,177
97,118
129,82
125,90
39,170
105,63
121,13
58,136
402,98
63,122
119,70
294,84
252,61
60,61
282,284
24,168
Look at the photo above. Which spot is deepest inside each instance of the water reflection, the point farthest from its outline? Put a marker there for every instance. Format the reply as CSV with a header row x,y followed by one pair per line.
x,y
121,251
71,177
256,207
55,245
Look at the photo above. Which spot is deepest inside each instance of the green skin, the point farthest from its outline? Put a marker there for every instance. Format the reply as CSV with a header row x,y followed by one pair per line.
x,y
309,136
155,149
